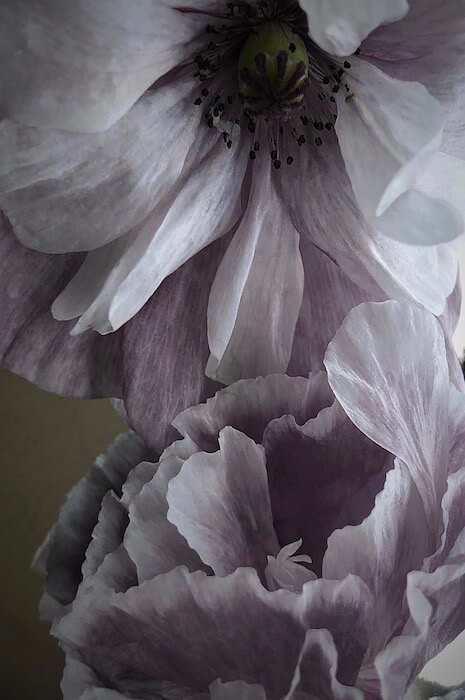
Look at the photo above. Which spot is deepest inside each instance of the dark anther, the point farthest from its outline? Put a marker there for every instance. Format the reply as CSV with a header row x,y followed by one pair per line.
x,y
252,155
301,140
198,101
318,141
325,80
292,47
304,120
274,155
277,164
335,88
289,160
229,144
347,64
205,92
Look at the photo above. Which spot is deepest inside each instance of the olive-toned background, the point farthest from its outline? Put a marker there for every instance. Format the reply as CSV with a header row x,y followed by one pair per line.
x,y
47,443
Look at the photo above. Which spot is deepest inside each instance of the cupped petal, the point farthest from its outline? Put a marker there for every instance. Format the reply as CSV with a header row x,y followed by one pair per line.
x,y
322,475
115,282
154,544
165,350
388,131
382,550
220,503
80,66
339,26
36,346
323,208
68,192
62,557
257,292
387,366
136,640
249,405
319,652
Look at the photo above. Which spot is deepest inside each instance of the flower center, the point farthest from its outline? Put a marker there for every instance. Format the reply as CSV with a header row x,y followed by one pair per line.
x,y
261,74
272,70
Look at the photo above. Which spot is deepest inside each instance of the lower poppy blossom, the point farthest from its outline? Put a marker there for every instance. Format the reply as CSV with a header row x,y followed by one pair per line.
x,y
168,126
303,539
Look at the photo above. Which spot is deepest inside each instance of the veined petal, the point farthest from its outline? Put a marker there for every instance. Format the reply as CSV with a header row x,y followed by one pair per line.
x,y
220,503
115,282
257,292
339,26
388,132
387,366
80,66
71,192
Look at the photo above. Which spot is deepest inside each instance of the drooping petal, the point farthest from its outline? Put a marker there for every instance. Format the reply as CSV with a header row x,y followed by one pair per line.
x,y
339,26
65,549
257,292
80,66
68,192
249,406
387,366
115,281
35,345
323,475
165,350
382,550
220,503
315,676
388,131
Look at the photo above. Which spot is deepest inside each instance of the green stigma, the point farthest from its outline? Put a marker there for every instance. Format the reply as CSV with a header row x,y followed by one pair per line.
x,y
273,69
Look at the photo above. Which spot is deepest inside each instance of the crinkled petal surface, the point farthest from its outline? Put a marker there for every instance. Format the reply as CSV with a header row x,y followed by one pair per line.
x,y
339,26
81,65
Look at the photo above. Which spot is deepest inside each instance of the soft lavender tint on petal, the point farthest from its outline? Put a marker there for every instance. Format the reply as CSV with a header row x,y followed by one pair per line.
x,y
36,346
445,178
257,292
437,608
323,208
69,539
322,475
220,503
107,533
165,350
315,676
387,366
153,543
426,690
388,132
158,639
115,282
65,192
339,26
382,550
81,65
249,405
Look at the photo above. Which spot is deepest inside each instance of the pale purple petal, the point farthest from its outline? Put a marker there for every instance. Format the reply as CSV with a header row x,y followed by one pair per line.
x,y
249,405
36,346
315,676
257,292
387,367
339,26
322,475
115,282
67,192
80,66
236,690
220,503
153,543
388,132
382,550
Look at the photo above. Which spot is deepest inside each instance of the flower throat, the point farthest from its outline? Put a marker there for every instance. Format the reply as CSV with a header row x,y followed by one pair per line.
x,y
261,72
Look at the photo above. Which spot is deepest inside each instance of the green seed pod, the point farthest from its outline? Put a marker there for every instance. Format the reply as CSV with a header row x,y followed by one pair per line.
x,y
273,69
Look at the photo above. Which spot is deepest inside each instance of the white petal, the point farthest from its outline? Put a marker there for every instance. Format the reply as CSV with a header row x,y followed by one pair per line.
x,y
80,65
115,282
257,293
387,366
388,131
339,26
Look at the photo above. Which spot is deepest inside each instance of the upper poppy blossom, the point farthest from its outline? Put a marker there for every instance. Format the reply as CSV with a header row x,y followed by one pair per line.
x,y
141,132
303,539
